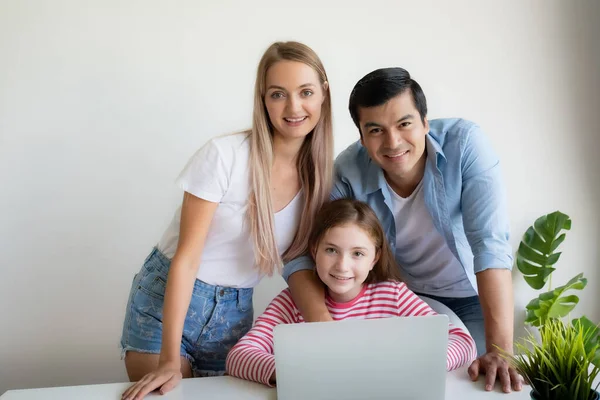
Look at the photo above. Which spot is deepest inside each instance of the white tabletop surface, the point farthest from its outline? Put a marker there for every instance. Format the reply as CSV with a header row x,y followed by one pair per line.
x,y
458,386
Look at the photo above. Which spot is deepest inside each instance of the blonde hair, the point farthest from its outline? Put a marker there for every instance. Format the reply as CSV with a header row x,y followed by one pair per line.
x,y
314,162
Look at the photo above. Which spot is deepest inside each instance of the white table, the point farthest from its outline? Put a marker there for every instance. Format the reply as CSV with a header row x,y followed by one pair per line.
x,y
458,386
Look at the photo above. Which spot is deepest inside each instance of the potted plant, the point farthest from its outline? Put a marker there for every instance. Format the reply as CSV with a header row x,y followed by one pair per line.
x,y
561,366
565,362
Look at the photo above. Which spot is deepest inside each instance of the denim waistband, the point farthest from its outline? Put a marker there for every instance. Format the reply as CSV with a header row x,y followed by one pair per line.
x,y
203,288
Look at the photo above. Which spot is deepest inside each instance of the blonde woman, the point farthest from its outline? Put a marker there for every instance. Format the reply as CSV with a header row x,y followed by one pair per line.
x,y
248,205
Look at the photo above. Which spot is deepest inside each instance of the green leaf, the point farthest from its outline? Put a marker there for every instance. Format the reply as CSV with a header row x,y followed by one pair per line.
x,y
553,258
535,281
591,337
552,305
557,242
532,239
526,267
551,224
536,254
562,306
532,256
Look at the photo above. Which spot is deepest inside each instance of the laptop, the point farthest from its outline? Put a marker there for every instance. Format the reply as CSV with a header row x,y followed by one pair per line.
x,y
387,358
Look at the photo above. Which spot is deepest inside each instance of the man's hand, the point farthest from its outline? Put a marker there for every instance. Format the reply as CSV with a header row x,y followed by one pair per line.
x,y
493,366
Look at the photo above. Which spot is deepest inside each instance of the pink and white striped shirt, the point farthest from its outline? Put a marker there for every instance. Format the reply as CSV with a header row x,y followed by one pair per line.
x,y
252,357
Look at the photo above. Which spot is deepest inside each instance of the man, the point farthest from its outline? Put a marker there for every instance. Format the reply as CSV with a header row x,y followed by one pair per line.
x,y
437,190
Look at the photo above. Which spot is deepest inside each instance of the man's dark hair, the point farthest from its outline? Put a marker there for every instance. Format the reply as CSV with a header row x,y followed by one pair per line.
x,y
379,86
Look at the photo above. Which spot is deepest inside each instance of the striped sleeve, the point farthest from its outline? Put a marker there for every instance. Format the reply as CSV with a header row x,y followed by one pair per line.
x,y
252,357
461,346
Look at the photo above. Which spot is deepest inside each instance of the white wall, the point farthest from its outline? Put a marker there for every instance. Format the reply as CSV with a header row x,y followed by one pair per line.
x,y
102,103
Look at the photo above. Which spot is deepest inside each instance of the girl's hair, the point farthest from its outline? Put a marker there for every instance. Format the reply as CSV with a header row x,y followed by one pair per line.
x,y
314,162
347,211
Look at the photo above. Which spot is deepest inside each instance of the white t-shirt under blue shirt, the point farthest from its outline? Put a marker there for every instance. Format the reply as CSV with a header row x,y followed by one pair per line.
x,y
426,263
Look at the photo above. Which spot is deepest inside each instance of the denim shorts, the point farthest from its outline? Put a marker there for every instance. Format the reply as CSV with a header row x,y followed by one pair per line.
x,y
216,318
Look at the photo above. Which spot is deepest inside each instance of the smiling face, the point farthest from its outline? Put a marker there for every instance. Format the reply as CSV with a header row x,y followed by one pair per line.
x,y
344,257
293,98
394,137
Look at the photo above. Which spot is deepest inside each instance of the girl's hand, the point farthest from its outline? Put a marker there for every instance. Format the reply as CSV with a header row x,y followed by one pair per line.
x,y
165,378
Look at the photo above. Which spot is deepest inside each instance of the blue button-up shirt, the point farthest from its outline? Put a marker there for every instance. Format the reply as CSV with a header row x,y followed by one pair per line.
x,y
463,191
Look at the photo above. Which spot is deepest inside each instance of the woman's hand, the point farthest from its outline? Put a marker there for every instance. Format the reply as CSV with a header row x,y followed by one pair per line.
x,y
164,378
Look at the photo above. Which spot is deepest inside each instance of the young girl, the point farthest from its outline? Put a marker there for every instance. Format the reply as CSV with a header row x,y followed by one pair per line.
x,y
244,195
354,262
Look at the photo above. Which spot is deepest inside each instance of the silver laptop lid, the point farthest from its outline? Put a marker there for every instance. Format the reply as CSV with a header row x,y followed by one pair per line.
x,y
388,358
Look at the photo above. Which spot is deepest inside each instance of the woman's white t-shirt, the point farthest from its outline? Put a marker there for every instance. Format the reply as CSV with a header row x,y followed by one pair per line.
x,y
219,173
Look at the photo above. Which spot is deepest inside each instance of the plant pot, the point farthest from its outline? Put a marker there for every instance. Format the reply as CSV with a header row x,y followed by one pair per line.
x,y
535,395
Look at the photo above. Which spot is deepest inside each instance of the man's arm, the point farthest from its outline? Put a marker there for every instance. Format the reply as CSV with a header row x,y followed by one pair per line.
x,y
498,317
498,309
307,289
486,224
308,293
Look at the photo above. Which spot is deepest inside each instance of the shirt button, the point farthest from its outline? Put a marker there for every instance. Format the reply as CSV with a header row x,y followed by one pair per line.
x,y
222,292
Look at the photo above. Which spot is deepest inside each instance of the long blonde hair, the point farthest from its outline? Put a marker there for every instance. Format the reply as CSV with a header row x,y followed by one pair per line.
x,y
314,162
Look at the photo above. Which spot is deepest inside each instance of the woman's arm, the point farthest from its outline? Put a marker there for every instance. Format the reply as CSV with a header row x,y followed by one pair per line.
x,y
196,216
252,357
461,346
